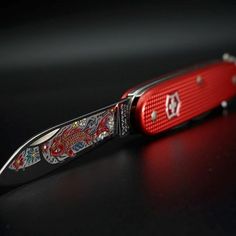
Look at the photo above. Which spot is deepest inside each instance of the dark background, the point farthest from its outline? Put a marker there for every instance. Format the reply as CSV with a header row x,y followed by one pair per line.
x,y
60,60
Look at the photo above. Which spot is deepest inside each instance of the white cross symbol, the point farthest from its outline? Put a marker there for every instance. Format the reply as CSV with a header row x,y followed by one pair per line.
x,y
172,105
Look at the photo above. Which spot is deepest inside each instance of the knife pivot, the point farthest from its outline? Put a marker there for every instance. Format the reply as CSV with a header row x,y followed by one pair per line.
x,y
154,115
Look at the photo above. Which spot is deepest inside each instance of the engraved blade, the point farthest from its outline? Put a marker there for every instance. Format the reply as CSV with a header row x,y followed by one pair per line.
x,y
56,146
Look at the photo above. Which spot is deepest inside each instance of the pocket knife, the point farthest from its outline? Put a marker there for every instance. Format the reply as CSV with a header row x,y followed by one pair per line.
x,y
150,108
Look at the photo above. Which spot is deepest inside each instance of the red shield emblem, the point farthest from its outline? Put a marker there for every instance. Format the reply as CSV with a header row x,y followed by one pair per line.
x,y
173,104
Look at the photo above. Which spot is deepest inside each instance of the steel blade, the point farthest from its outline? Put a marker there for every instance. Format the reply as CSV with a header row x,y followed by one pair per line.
x,y
56,146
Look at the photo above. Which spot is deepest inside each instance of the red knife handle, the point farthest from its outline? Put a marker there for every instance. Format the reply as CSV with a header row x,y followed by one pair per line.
x,y
170,102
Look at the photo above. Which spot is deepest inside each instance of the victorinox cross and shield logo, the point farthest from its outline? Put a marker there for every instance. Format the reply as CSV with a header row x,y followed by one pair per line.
x,y
173,104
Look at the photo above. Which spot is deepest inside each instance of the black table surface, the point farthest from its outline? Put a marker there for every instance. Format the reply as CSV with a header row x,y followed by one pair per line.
x,y
52,69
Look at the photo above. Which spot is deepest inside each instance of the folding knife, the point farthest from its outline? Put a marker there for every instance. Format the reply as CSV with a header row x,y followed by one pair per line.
x,y
150,108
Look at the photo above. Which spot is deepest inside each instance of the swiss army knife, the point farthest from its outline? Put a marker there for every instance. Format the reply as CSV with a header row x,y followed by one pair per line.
x,y
150,108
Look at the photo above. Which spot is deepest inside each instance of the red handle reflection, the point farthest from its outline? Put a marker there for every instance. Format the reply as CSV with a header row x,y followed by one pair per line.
x,y
196,164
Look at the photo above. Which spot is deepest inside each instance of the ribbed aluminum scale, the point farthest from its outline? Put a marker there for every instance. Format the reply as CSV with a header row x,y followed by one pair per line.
x,y
196,98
